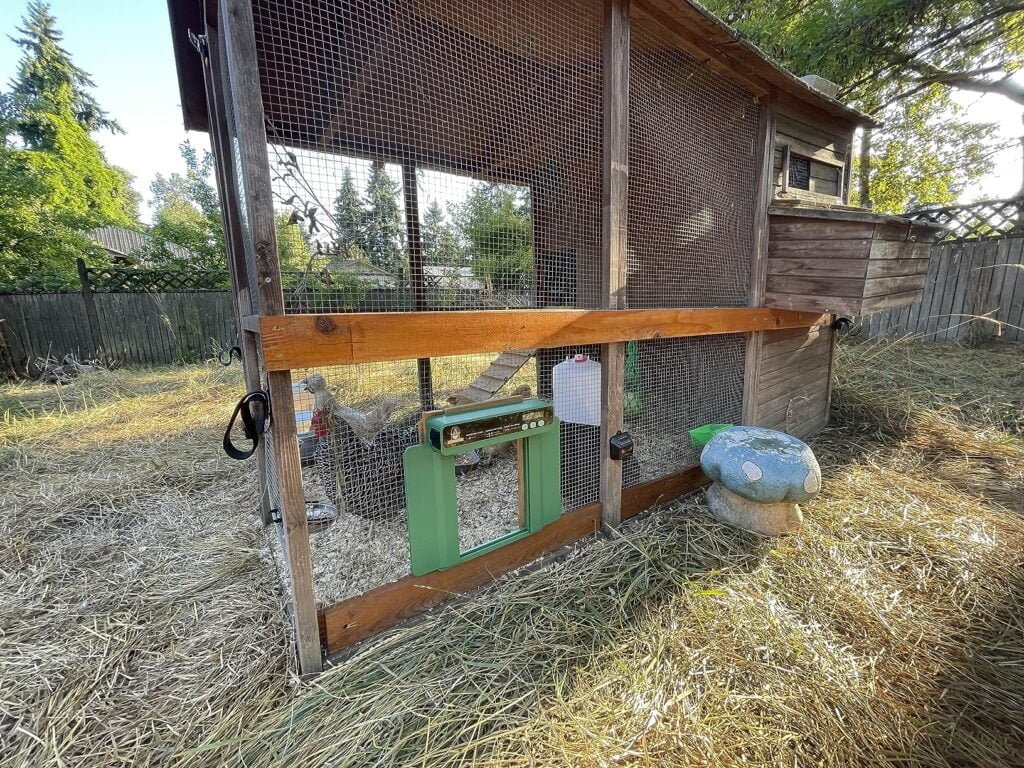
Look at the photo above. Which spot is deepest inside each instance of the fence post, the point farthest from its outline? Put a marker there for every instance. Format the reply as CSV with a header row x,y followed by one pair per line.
x,y
91,315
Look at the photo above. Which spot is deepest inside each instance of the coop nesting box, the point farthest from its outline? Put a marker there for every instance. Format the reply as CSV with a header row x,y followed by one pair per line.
x,y
845,261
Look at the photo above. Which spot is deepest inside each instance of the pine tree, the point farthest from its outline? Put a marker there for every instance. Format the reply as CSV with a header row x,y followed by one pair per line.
x,y
350,220
385,244
440,245
495,222
47,81
55,183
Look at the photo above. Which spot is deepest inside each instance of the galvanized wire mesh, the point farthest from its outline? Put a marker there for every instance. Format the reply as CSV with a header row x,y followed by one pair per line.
x,y
692,150
673,386
690,213
435,154
446,155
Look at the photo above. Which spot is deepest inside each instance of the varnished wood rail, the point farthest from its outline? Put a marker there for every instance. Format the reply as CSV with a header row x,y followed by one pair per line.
x,y
302,341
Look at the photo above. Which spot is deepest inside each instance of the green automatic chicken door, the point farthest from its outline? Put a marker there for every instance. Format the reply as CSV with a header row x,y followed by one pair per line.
x,y
430,499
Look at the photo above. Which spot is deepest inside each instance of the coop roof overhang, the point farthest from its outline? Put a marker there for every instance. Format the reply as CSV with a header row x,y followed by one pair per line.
x,y
692,28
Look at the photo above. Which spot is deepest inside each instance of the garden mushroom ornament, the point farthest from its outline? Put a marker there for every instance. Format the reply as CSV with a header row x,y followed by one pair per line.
x,y
760,476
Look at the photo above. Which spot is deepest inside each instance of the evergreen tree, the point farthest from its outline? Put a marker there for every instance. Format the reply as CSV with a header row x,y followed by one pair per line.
x,y
440,245
350,220
385,243
495,221
55,182
47,82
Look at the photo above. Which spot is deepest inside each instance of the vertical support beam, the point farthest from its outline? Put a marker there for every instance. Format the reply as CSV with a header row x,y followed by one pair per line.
x,y
417,281
91,316
615,199
227,190
784,171
764,186
240,47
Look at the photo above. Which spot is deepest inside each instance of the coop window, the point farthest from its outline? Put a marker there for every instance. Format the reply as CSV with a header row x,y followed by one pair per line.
x,y
799,172
813,176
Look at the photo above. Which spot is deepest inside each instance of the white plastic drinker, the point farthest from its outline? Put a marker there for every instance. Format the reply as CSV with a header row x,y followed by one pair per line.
x,y
576,385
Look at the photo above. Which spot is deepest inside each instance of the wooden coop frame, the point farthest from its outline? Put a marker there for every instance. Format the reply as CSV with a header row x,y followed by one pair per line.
x,y
789,347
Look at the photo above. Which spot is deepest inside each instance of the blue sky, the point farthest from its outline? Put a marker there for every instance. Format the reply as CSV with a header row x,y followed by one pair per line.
x,y
126,46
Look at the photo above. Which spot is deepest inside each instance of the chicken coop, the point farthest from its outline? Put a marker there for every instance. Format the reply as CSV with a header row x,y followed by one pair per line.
x,y
494,259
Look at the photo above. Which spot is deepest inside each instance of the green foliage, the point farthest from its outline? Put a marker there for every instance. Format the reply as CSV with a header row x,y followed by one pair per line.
x,y
440,244
55,183
186,213
293,246
48,82
495,222
898,59
384,238
927,154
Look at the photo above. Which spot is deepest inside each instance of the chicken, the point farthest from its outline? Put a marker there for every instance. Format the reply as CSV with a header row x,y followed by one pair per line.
x,y
366,426
358,456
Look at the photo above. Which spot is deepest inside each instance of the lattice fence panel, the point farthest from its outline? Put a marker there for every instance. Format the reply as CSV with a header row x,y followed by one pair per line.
x,y
976,221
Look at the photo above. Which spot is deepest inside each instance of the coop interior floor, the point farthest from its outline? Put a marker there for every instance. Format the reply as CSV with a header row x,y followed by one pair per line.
x,y
354,554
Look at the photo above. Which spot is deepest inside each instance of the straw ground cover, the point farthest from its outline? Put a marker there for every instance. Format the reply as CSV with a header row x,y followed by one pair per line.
x,y
140,623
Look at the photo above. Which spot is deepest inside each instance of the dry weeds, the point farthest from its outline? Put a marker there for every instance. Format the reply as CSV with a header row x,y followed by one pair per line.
x,y
141,626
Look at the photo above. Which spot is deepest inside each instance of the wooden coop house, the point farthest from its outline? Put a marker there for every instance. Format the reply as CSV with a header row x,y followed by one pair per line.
x,y
613,216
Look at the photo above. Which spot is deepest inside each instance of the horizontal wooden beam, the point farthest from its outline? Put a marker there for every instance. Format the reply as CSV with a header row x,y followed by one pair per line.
x,y
302,341
358,618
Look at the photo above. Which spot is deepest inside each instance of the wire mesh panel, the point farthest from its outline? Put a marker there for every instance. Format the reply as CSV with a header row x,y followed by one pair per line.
x,y
434,154
673,386
692,157
354,424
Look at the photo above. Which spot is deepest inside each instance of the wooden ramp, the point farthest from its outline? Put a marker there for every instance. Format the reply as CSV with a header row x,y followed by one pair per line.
x,y
504,367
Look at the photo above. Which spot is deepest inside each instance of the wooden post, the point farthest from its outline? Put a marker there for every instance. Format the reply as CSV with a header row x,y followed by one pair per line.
x,y
864,171
91,316
227,187
240,49
615,199
763,188
417,282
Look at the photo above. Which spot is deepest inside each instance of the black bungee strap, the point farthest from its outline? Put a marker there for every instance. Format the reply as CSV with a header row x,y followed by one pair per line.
x,y
254,424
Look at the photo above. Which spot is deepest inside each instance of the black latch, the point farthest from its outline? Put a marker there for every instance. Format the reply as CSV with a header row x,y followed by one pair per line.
x,y
254,409
621,445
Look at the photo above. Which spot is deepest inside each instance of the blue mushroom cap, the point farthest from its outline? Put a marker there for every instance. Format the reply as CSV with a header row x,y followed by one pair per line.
x,y
762,465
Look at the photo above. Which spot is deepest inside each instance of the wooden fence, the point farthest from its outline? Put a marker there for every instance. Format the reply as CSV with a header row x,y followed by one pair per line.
x,y
974,291
137,328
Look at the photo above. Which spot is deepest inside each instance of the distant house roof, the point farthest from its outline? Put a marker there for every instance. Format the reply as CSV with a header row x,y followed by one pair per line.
x,y
452,277
366,273
129,246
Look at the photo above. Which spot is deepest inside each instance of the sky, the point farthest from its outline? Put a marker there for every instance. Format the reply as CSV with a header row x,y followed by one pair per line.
x,y
126,46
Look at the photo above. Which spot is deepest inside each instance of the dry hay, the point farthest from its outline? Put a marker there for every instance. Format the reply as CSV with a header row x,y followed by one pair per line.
x,y
890,631
355,554
137,607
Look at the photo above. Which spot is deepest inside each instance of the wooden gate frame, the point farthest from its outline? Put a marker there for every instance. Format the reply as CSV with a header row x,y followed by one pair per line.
x,y
293,341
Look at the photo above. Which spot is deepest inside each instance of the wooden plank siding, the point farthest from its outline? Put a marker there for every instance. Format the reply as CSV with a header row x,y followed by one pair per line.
x,y
849,266
825,146
973,291
136,328
793,389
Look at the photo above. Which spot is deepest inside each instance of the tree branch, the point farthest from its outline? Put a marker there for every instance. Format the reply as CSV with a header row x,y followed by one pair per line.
x,y
972,80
